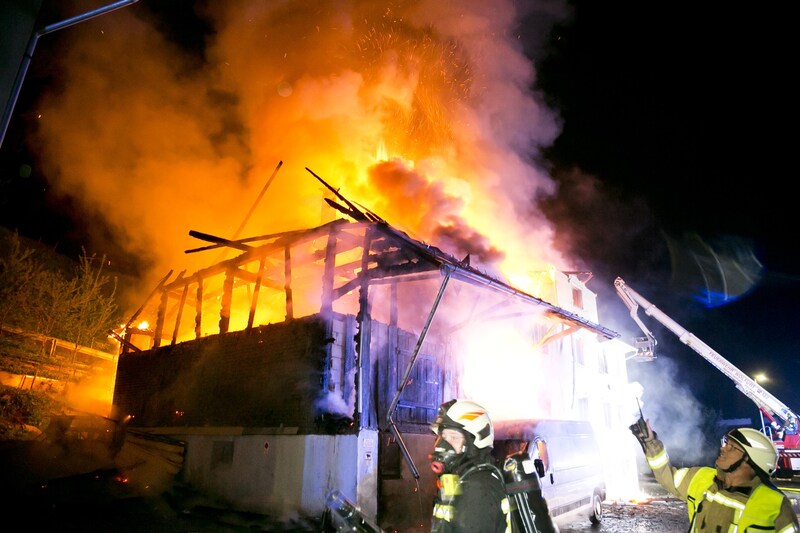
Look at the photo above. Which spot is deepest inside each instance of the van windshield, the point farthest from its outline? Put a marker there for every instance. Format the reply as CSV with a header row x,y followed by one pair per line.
x,y
504,448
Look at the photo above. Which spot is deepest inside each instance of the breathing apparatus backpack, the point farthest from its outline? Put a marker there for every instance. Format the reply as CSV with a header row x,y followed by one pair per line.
x,y
520,476
529,512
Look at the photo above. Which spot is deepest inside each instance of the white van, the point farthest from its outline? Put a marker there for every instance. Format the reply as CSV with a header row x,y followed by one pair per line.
x,y
571,468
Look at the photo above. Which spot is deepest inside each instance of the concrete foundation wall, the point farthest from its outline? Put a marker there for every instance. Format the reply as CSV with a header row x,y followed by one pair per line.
x,y
279,475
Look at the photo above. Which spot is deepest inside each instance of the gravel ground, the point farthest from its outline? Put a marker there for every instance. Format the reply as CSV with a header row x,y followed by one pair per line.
x,y
95,502
656,515
90,504
156,516
660,513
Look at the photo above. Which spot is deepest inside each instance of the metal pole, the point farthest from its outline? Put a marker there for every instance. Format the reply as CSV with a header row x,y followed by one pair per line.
x,y
403,448
389,422
424,332
26,59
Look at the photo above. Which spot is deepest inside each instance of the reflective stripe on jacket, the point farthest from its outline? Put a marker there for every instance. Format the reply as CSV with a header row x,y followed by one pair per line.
x,y
759,511
757,507
468,503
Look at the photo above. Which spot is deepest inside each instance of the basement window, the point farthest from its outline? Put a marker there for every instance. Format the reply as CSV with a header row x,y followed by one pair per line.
x,y
221,453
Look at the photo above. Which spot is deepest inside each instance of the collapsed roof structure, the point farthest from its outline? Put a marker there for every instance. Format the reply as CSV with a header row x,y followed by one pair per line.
x,y
374,253
339,314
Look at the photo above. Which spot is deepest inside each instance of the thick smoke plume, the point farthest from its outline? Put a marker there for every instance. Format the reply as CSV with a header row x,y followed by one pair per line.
x,y
424,112
421,111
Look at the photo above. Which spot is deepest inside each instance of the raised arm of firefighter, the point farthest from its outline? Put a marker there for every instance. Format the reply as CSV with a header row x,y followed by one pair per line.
x,y
656,455
736,494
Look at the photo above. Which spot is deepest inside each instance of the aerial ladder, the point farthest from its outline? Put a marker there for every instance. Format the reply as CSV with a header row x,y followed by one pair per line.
x,y
783,422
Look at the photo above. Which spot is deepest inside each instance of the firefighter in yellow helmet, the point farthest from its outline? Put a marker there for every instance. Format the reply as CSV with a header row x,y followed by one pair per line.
x,y
471,496
735,497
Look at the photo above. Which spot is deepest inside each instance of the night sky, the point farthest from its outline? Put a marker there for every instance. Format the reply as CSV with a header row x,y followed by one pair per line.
x,y
674,170
676,116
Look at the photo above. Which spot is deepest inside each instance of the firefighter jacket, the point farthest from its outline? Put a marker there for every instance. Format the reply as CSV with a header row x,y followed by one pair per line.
x,y
755,506
472,499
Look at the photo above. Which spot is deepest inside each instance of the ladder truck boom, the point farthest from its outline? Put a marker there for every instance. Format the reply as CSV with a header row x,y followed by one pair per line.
x,y
780,416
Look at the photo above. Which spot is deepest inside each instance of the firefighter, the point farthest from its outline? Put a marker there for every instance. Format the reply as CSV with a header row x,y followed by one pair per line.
x,y
471,495
737,495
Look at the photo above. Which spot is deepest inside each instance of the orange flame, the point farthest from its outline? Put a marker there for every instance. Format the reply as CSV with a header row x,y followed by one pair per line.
x,y
188,139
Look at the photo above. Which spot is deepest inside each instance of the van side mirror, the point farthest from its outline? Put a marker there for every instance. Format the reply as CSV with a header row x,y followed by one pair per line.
x,y
539,465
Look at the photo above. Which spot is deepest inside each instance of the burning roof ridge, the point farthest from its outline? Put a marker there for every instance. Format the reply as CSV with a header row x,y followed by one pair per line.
x,y
461,269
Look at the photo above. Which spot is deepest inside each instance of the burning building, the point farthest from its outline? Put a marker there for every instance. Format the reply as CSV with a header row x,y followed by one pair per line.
x,y
316,360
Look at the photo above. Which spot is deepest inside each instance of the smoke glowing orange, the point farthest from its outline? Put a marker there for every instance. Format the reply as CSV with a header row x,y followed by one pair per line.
x,y
424,112
159,143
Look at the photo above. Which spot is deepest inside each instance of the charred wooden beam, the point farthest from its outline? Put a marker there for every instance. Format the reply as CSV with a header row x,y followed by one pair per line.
x,y
254,299
326,307
282,238
342,209
256,277
180,314
157,288
407,278
373,274
363,295
352,211
124,341
276,247
227,298
287,282
219,240
161,316
364,341
198,311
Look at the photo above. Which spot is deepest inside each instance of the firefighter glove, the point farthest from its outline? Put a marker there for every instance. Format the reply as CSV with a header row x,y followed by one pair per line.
x,y
643,432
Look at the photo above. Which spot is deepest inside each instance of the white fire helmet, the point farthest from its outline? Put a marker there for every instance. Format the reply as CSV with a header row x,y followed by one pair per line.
x,y
758,447
467,416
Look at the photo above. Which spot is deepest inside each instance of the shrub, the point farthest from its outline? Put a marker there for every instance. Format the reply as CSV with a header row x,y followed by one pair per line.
x,y
20,408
